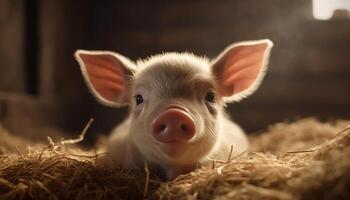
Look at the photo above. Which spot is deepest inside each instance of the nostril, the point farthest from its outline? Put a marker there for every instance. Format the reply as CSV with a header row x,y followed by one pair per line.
x,y
186,130
162,127
184,127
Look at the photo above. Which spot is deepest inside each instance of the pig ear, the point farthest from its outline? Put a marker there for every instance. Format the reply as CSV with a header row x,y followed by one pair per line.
x,y
240,68
107,75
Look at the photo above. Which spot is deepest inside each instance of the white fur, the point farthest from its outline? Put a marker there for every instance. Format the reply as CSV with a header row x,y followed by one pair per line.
x,y
231,135
175,58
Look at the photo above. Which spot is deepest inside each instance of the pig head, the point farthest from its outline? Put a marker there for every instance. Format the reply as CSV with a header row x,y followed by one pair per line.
x,y
176,101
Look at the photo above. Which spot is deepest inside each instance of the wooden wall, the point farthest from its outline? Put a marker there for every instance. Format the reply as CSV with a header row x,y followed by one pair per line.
x,y
12,36
309,68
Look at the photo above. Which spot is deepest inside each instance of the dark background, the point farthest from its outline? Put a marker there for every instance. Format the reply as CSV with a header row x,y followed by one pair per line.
x,y
41,86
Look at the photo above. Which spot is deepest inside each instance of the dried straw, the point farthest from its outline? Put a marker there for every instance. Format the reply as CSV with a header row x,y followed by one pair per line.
x,y
306,159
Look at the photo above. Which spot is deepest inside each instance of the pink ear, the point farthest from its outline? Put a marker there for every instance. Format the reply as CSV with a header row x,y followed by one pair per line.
x,y
240,69
106,74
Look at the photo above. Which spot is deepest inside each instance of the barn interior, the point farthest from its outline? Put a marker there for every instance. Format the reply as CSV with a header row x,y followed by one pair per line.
x,y
303,102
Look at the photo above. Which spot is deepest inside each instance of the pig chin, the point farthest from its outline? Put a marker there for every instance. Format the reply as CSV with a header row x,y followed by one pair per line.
x,y
174,150
185,153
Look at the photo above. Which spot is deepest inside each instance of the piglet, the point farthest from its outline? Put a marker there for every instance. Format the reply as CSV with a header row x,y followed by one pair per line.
x,y
177,119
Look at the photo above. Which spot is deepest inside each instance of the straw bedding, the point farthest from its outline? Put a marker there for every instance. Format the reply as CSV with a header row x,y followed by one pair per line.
x,y
306,159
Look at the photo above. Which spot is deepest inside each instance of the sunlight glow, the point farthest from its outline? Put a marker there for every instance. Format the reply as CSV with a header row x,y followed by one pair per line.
x,y
323,9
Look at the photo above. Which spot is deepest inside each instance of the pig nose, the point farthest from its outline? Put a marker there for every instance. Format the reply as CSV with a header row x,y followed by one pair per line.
x,y
173,125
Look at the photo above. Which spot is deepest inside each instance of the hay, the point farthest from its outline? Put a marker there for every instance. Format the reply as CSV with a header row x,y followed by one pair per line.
x,y
302,160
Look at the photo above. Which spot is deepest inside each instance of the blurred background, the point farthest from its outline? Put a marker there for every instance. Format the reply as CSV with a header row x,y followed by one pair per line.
x,y
41,87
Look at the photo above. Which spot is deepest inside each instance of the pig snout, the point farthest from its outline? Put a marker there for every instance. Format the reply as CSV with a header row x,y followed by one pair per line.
x,y
173,125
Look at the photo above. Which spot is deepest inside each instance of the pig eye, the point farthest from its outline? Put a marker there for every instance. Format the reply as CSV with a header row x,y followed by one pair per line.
x,y
138,99
210,97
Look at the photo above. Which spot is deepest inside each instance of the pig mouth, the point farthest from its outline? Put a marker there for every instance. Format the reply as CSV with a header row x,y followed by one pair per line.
x,y
173,148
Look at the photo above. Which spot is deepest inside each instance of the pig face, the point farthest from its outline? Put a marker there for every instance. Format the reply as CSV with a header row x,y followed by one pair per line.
x,y
175,122
176,99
